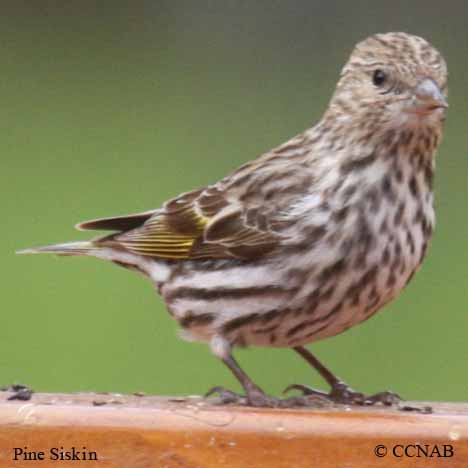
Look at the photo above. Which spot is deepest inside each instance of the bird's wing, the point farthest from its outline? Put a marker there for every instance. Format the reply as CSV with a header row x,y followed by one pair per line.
x,y
239,217
202,224
116,223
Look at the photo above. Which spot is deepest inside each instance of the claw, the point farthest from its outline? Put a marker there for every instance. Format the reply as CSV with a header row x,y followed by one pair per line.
x,y
226,396
305,389
213,390
302,388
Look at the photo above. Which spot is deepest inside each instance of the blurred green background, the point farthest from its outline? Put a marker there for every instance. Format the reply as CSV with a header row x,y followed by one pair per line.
x,y
113,108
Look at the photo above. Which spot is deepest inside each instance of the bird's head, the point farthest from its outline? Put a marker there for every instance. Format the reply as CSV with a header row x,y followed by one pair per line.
x,y
392,80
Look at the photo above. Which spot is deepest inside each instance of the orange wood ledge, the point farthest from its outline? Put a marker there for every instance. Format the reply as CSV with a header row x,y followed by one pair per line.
x,y
143,431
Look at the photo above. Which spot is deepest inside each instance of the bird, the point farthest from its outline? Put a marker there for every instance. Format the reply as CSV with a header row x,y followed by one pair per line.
x,y
312,237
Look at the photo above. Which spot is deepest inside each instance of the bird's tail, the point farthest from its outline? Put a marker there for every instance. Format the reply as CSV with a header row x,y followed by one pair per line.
x,y
105,249
68,248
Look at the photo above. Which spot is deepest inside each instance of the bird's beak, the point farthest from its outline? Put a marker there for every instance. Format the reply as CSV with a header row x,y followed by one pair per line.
x,y
427,97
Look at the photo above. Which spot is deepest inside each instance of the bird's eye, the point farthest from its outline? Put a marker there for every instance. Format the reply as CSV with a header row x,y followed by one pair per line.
x,y
379,77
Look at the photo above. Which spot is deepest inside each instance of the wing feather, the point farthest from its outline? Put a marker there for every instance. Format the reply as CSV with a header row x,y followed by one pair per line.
x,y
198,225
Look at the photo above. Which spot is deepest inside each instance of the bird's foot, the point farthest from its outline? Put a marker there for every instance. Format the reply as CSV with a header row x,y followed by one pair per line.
x,y
258,399
20,392
341,393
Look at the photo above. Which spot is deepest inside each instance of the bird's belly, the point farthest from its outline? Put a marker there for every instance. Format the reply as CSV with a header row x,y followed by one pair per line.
x,y
366,281
318,313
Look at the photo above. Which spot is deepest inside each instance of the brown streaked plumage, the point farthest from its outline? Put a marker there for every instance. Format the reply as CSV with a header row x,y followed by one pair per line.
x,y
312,237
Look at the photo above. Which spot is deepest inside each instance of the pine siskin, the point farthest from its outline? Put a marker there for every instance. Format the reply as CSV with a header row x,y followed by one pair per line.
x,y
312,237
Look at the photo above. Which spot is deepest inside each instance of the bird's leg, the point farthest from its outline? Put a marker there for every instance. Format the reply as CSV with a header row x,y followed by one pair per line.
x,y
339,391
254,395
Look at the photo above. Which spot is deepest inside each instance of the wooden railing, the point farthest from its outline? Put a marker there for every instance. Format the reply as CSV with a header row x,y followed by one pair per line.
x,y
109,430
